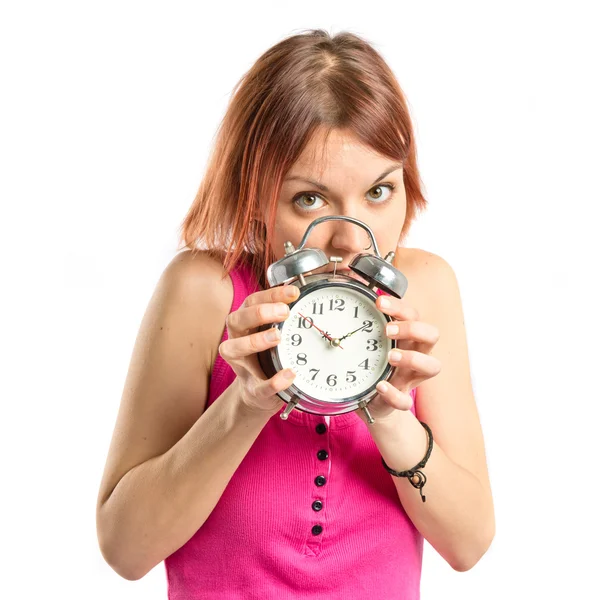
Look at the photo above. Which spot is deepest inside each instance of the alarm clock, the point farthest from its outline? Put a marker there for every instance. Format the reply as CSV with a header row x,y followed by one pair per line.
x,y
334,337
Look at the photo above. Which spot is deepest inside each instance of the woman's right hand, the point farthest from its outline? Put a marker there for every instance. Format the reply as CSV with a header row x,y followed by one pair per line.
x,y
257,393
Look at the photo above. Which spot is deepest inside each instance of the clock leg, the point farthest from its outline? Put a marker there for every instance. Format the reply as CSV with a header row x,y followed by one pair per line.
x,y
362,404
289,408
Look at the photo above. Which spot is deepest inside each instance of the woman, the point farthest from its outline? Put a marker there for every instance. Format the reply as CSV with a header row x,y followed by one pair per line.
x,y
201,472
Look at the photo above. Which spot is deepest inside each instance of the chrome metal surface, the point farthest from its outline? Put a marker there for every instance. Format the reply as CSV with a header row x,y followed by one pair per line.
x,y
293,394
294,264
339,218
380,273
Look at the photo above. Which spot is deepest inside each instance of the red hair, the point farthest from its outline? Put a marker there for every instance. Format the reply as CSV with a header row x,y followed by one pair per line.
x,y
303,83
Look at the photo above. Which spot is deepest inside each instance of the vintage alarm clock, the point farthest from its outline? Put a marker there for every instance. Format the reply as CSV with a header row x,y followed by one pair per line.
x,y
334,338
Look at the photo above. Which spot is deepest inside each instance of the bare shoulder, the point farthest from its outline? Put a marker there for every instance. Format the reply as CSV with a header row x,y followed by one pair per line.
x,y
197,267
166,386
198,281
425,272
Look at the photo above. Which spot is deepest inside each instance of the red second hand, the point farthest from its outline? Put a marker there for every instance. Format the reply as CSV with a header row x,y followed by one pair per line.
x,y
324,334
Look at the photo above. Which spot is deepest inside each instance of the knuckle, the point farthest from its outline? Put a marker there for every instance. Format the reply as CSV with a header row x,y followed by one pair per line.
x,y
253,343
224,350
262,312
273,386
257,311
411,328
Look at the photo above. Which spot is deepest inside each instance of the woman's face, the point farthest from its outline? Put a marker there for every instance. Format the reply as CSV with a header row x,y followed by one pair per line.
x,y
341,177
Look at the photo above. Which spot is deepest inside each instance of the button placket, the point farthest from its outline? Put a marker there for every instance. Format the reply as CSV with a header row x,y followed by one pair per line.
x,y
320,481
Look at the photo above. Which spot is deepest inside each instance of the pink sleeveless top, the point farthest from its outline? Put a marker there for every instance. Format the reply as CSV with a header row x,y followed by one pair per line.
x,y
309,513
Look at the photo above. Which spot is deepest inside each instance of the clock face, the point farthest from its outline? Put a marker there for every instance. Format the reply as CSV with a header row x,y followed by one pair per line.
x,y
324,370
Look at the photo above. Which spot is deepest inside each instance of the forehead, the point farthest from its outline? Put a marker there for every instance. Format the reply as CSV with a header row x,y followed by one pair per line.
x,y
341,149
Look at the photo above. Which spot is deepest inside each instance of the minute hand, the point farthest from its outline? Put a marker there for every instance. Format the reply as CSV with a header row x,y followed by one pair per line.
x,y
353,332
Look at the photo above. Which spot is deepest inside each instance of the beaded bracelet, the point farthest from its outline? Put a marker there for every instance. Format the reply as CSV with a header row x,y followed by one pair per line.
x,y
414,472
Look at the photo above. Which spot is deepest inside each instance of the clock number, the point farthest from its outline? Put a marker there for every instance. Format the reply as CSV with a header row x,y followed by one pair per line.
x,y
368,329
340,304
296,339
374,342
316,373
301,359
302,322
356,312
350,374
331,380
315,308
364,364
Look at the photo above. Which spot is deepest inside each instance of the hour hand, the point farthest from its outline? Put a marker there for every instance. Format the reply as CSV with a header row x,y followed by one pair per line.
x,y
331,340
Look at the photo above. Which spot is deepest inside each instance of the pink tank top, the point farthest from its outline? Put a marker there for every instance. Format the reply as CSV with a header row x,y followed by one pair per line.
x,y
309,513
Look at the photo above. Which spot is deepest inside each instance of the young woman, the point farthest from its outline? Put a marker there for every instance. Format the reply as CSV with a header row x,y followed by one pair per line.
x,y
202,473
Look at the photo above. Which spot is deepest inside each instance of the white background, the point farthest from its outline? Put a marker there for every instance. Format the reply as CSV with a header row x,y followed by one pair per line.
x,y
107,113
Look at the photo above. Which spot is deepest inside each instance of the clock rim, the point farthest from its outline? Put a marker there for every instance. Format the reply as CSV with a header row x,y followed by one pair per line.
x,y
306,401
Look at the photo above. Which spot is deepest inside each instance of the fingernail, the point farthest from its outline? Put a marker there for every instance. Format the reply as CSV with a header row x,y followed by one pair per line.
x,y
273,334
392,329
394,356
289,374
384,302
290,291
382,387
281,310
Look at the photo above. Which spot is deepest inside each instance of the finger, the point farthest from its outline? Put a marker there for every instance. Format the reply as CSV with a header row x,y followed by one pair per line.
x,y
397,308
423,364
417,331
237,348
269,387
242,321
280,293
394,396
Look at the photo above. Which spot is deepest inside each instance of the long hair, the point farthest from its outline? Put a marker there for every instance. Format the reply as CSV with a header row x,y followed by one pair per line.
x,y
303,83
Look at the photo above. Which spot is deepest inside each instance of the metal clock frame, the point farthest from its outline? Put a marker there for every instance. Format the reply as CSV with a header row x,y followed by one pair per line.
x,y
293,395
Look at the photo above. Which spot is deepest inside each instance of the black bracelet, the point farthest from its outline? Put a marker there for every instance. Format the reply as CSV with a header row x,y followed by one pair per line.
x,y
421,479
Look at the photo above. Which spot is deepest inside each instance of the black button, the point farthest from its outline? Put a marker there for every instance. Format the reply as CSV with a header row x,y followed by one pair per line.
x,y
321,428
320,480
317,505
322,454
317,529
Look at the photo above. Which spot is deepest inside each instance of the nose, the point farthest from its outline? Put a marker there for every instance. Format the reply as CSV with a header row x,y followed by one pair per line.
x,y
348,237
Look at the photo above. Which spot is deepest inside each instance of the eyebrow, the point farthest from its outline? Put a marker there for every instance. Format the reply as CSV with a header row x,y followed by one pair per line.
x,y
394,167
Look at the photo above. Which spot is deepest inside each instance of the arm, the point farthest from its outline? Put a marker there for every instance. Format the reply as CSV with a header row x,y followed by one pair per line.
x,y
170,459
158,505
458,516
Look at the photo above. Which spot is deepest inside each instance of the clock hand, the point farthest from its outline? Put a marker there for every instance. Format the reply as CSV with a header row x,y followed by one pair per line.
x,y
352,332
325,335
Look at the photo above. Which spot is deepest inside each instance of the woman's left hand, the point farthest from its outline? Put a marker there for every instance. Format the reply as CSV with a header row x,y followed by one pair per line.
x,y
415,340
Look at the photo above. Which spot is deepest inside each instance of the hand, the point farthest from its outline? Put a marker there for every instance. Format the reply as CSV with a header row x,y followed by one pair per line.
x,y
257,393
415,366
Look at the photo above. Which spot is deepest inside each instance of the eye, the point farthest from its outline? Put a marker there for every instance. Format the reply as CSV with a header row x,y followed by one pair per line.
x,y
309,206
378,199
313,199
